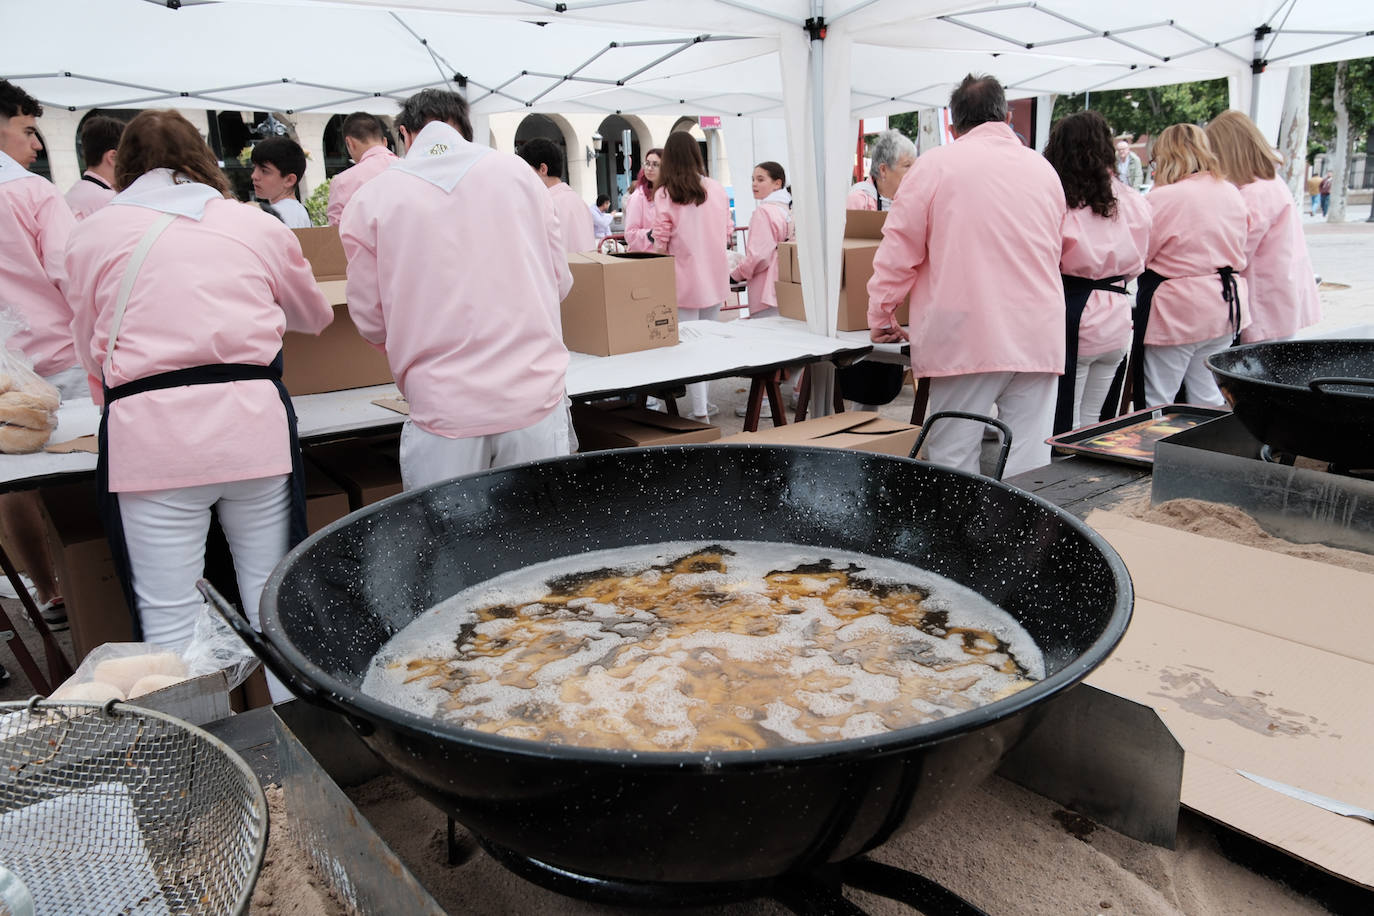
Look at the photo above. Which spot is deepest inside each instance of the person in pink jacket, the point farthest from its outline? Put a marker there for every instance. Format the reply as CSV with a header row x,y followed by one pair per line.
x,y
770,224
34,225
1191,300
180,295
1106,237
639,208
1278,271
365,136
574,219
891,157
975,236
692,223
468,316
99,141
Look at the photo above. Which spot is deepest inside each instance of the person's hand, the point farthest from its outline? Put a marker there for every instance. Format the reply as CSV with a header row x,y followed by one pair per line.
x,y
890,334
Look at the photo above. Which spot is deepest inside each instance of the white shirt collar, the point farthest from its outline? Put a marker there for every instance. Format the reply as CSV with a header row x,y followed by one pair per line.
x,y
11,170
159,189
439,154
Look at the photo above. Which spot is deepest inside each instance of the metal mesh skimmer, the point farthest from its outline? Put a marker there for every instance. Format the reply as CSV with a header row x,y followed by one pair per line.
x,y
115,809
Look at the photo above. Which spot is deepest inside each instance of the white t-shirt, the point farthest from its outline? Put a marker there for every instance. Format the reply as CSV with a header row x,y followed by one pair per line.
x,y
293,213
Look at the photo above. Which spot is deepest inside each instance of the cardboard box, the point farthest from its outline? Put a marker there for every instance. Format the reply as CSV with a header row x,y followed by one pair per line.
x,y
368,470
96,608
620,303
633,427
339,357
863,430
790,302
1257,662
863,230
325,500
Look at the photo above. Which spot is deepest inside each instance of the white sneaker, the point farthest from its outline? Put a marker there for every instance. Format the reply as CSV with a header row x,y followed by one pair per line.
x,y
652,403
7,587
711,411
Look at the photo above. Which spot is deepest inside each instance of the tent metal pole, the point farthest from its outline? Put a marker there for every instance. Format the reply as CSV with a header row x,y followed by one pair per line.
x,y
1256,69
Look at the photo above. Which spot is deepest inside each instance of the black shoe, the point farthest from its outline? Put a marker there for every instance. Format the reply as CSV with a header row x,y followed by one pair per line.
x,y
4,676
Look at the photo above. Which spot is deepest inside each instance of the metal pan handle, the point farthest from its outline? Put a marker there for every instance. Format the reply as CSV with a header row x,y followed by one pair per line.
x,y
961,415
263,649
1317,383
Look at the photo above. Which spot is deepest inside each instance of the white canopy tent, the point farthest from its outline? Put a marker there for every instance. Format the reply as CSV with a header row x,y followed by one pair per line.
x,y
818,64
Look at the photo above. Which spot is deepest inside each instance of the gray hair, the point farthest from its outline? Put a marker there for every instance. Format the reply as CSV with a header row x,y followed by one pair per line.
x,y
889,148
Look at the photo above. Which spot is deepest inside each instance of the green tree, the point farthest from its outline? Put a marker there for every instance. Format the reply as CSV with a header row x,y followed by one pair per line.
x,y
1150,110
1359,82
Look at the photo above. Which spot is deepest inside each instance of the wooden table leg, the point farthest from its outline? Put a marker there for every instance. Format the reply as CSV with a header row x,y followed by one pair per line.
x,y
921,401
779,409
59,669
803,394
754,406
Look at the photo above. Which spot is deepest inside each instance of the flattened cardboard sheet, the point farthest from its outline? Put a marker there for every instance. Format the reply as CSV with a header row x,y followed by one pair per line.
x,y
1257,662
857,429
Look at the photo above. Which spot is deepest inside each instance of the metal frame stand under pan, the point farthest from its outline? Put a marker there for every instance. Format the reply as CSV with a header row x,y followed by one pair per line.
x,y
1220,461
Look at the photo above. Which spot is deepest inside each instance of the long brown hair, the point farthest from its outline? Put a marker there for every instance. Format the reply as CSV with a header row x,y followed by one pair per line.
x,y
160,138
1241,149
680,168
1081,151
642,182
1180,151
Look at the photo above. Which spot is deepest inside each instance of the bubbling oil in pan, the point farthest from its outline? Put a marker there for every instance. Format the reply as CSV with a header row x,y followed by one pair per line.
x,y
731,646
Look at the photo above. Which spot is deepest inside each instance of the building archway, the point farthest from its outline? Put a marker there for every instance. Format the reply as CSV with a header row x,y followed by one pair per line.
x,y
691,126
550,128
617,165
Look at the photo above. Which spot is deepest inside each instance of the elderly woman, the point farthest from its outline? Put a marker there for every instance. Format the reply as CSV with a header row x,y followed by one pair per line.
x,y
1191,300
1283,293
180,296
892,155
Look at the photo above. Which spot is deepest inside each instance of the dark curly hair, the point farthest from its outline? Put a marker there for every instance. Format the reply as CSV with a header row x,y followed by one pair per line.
x,y
1081,151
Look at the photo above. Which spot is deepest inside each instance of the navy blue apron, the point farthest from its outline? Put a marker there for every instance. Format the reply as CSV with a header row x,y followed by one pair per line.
x,y
1077,291
1145,292
176,378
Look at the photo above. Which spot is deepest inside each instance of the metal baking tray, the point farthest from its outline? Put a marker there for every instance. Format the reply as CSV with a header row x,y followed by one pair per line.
x,y
1131,438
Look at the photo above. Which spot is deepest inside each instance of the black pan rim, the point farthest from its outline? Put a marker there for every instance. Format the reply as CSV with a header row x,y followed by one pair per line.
x,y
352,702
1238,352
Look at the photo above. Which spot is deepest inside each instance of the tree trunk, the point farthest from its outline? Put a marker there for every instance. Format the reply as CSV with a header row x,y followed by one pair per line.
x,y
1293,131
1340,152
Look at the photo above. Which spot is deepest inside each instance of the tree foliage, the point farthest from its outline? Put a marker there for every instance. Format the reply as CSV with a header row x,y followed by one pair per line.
x,y
1149,111
1359,82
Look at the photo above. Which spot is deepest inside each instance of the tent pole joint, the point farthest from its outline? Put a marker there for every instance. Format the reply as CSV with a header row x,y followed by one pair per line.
x,y
815,27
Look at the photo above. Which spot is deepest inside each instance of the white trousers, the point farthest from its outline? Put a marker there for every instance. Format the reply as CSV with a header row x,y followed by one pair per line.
x,y
427,458
1093,381
1168,367
1024,401
698,391
165,531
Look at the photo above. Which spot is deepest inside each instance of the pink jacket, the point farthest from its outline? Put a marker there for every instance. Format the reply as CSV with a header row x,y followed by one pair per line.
x,y
1283,288
344,185
696,235
1097,248
219,290
34,225
975,235
469,316
769,225
86,197
574,219
639,219
1197,225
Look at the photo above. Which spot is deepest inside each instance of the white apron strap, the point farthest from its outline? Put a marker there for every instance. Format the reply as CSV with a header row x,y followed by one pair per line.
x,y
126,287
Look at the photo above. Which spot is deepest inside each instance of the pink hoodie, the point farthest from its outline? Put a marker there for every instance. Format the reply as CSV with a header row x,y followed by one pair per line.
x,y
1197,225
221,289
975,235
574,219
769,225
1097,248
1283,287
35,222
639,220
696,235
